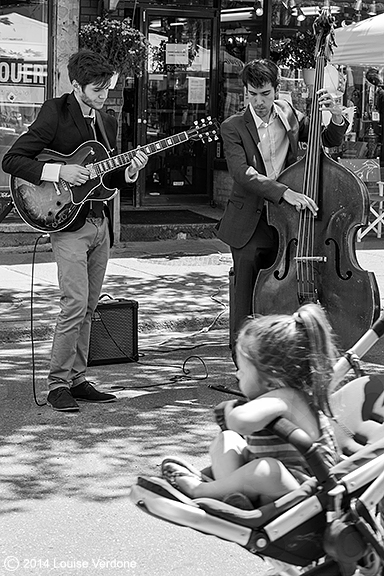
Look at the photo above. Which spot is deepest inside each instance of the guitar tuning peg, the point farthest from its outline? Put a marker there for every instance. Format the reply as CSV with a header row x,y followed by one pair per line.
x,y
196,122
209,139
209,118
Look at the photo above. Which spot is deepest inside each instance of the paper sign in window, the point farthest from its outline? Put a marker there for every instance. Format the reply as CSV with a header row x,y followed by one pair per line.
x,y
196,90
176,54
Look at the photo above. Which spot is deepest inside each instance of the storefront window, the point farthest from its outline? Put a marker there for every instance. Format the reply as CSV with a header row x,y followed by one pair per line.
x,y
242,35
240,41
23,71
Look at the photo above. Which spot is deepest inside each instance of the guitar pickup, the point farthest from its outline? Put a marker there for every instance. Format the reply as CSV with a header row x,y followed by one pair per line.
x,y
92,171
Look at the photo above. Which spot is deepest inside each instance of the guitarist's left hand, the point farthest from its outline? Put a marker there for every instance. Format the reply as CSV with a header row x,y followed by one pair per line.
x,y
137,163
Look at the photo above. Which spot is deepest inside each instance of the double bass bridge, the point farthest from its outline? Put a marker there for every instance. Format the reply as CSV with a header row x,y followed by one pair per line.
x,y
310,258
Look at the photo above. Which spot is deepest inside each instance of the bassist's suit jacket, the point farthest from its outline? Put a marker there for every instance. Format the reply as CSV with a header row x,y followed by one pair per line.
x,y
59,126
243,225
250,186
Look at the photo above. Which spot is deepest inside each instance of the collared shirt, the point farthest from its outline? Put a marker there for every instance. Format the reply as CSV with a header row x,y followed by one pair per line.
x,y
274,142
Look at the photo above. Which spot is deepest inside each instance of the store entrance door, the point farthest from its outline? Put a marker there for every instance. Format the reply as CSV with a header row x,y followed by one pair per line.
x,y
175,93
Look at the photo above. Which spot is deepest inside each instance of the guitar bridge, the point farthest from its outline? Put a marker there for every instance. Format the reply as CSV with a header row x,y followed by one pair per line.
x,y
57,189
64,185
310,258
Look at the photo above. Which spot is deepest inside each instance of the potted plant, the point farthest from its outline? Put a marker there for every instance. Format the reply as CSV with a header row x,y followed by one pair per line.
x,y
123,46
297,52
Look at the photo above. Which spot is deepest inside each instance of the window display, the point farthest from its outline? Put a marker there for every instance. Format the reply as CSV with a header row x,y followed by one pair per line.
x,y
23,72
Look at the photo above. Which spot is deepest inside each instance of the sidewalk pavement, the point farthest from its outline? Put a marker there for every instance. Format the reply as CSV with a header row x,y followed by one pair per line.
x,y
65,478
179,285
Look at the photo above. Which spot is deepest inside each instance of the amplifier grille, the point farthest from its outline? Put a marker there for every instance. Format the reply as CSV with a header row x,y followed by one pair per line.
x,y
114,333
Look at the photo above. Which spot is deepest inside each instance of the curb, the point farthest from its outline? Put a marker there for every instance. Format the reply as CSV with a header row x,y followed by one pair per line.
x,y
21,331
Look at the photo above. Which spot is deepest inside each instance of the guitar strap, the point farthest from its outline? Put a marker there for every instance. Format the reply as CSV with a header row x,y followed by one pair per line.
x,y
100,124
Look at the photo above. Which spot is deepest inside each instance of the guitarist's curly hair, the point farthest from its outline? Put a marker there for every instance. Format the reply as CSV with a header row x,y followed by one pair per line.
x,y
87,67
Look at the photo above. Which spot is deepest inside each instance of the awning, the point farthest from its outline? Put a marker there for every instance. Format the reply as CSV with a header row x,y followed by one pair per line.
x,y
360,44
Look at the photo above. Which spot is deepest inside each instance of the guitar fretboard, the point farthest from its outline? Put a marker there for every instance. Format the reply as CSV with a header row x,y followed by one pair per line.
x,y
123,159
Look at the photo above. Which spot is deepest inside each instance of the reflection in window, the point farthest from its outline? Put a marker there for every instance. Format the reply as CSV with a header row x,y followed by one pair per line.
x,y
23,71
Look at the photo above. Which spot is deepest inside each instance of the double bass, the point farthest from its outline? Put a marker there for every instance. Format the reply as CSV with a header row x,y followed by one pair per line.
x,y
316,259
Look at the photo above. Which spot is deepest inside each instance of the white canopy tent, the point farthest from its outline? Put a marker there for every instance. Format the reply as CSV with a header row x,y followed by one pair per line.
x,y
360,44
23,38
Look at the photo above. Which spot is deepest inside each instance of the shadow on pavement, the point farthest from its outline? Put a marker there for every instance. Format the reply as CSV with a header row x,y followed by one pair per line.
x,y
96,454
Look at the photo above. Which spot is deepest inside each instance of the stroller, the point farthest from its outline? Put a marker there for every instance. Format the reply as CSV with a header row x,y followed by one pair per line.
x,y
332,524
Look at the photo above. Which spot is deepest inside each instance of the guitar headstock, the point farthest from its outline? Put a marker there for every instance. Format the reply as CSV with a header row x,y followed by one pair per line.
x,y
205,130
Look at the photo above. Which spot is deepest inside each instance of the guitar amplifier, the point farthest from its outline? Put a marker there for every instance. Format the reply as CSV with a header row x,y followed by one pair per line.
x,y
114,332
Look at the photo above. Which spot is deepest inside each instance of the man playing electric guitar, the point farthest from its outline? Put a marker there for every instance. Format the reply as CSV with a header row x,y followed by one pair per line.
x,y
81,250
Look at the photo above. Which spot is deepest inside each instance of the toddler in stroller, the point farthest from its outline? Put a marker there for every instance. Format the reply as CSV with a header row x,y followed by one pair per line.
x,y
278,483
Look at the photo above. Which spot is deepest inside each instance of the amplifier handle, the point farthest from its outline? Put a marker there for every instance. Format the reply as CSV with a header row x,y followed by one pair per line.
x,y
105,295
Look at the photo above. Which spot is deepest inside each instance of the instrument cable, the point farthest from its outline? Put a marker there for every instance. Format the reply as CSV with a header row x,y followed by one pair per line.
x,y
186,375
32,323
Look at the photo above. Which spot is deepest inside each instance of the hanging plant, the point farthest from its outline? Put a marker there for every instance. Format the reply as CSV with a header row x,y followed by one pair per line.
x,y
124,47
297,52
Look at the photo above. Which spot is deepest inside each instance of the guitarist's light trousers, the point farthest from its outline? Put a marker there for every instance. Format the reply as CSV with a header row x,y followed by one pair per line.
x,y
82,258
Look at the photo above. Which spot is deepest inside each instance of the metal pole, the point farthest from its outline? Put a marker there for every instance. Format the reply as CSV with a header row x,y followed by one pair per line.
x,y
266,29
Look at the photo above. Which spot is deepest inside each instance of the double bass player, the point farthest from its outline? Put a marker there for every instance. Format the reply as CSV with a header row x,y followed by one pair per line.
x,y
259,142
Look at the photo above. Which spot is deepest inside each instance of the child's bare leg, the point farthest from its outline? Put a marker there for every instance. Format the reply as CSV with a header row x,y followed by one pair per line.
x,y
267,477
227,453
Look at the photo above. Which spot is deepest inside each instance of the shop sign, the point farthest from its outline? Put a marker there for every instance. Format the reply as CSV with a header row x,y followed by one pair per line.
x,y
19,72
176,54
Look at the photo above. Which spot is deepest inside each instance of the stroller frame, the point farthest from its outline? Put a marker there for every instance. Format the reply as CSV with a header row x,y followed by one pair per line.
x,y
329,526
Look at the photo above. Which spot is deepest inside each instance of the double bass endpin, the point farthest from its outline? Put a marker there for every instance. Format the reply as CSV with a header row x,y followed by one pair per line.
x,y
310,258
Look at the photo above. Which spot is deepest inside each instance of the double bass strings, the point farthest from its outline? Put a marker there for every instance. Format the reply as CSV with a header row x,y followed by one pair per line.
x,y
305,257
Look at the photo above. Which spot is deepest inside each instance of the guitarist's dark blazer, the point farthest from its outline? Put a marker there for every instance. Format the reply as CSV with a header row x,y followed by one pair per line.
x,y
60,126
246,166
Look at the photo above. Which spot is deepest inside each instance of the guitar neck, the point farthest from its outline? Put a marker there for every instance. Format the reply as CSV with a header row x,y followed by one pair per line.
x,y
123,159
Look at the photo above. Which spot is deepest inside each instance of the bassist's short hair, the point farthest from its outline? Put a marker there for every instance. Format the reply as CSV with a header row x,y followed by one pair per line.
x,y
257,73
87,67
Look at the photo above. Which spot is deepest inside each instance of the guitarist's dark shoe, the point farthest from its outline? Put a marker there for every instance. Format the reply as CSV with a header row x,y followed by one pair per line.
x,y
85,392
62,400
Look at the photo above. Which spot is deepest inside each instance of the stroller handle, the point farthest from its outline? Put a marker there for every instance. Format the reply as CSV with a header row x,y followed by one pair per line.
x,y
343,365
293,434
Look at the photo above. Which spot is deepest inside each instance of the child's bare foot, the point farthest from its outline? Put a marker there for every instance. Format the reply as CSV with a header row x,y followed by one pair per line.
x,y
181,478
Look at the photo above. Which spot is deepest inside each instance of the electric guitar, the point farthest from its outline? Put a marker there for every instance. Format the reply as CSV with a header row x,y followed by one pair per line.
x,y
53,206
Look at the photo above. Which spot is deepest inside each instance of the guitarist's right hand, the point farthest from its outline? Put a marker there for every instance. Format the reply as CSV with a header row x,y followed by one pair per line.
x,y
74,174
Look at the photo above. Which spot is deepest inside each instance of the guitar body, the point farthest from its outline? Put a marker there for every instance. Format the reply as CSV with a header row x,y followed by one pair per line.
x,y
51,206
